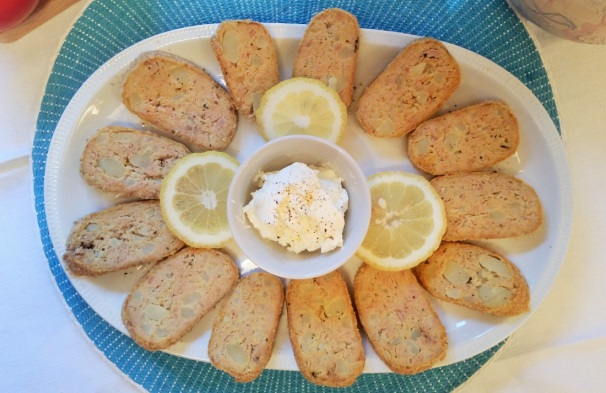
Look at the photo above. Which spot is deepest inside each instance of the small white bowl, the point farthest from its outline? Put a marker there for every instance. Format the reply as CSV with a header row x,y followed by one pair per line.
x,y
273,156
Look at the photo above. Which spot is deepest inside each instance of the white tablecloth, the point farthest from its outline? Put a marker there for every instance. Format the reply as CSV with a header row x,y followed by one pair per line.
x,y
562,348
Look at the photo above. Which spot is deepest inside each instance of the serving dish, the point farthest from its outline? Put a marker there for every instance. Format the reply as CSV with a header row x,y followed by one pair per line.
x,y
540,161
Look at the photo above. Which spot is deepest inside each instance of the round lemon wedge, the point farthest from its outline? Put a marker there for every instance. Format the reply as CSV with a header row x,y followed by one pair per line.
x,y
301,106
193,198
406,224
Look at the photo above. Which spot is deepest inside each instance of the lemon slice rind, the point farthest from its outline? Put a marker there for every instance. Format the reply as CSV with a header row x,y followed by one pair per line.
x,y
292,89
168,193
431,240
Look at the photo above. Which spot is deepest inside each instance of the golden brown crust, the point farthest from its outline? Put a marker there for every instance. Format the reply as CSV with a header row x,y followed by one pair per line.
x,y
417,82
175,294
399,320
323,330
129,162
180,99
486,205
466,140
247,56
329,51
119,237
475,277
244,332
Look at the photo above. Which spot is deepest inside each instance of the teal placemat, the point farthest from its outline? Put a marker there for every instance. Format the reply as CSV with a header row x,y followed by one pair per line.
x,y
106,27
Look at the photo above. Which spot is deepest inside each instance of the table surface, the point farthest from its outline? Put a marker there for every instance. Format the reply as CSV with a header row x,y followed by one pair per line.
x,y
561,348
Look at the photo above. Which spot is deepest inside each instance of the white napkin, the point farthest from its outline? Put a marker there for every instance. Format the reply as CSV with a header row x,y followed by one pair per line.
x,y
562,347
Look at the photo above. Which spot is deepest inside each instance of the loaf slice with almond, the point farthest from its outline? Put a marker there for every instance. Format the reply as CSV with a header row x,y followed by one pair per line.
x,y
475,277
329,51
487,205
175,294
180,99
466,140
244,332
324,331
129,162
121,236
411,89
399,320
247,56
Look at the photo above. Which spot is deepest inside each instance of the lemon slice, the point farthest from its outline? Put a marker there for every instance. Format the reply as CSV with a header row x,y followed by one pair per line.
x,y
194,198
301,106
406,224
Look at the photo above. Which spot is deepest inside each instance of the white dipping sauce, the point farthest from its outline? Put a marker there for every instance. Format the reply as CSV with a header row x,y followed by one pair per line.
x,y
301,207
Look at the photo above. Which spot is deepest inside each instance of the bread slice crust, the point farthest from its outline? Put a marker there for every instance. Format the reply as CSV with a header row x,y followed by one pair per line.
x,y
175,294
466,140
121,236
475,277
128,162
243,335
323,330
180,99
247,56
487,205
329,51
411,89
399,320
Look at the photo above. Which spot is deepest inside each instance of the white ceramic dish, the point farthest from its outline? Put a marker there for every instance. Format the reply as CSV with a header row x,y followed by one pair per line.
x,y
273,156
540,161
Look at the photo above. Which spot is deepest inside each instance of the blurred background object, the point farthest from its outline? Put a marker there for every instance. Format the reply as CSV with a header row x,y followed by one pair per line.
x,y
20,17
576,20
13,12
